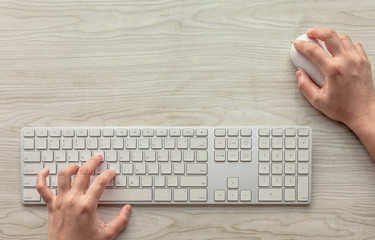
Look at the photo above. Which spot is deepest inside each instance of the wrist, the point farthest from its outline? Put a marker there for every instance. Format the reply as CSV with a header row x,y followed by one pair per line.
x,y
363,121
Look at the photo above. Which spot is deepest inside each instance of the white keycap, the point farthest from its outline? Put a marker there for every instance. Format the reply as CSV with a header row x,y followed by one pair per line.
x,y
220,156
220,143
28,133
219,196
232,143
111,156
178,168
263,132
232,156
131,143
133,181
32,168
54,143
246,156
120,181
270,195
303,188
169,143
220,132
264,180
202,132
290,181
159,181
153,168
232,195
107,132
30,195
163,195
196,168
290,195
198,143
28,143
172,181
41,143
193,181
182,143
31,156
303,168
72,156
143,143
303,156
95,132
202,156
135,132
120,132
150,156
188,132
245,196
127,195
29,181
264,143
81,132
198,195
188,156
264,168
174,132
232,182
148,132
246,132
303,143
180,195
146,181
123,156
118,143
79,143
245,143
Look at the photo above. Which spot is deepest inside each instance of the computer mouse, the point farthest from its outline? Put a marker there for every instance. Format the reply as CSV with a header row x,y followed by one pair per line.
x,y
302,62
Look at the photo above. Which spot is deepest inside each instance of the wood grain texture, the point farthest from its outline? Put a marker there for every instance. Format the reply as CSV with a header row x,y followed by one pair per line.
x,y
124,63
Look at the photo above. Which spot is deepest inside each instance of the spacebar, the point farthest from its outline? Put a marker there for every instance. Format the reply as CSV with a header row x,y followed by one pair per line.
x,y
126,195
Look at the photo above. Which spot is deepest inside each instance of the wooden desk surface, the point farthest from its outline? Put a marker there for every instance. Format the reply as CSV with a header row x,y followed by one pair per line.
x,y
126,63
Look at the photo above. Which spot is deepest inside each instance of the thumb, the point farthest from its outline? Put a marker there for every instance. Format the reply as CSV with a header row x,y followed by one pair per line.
x,y
119,222
307,87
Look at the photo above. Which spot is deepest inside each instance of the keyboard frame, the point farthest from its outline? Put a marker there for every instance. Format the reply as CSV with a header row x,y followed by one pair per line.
x,y
215,169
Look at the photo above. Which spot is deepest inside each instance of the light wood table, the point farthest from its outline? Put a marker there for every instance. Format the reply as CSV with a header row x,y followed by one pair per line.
x,y
127,63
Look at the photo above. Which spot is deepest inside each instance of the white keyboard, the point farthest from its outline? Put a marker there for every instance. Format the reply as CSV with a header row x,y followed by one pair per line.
x,y
177,165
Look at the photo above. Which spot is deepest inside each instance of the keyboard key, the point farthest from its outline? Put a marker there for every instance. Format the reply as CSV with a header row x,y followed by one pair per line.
x,y
193,181
198,195
31,156
180,195
270,195
127,195
219,195
163,195
303,188
30,195
198,143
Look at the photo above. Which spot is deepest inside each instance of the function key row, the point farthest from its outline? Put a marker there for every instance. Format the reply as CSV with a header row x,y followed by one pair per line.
x,y
120,132
279,132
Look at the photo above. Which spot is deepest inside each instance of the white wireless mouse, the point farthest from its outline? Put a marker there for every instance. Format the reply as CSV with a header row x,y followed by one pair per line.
x,y
300,61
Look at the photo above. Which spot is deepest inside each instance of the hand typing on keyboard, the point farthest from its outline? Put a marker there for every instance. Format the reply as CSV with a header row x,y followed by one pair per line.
x,y
72,213
348,93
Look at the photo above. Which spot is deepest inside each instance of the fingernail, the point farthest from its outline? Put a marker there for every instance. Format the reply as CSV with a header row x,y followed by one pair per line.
x,y
298,74
99,155
128,207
